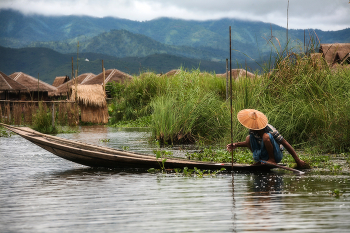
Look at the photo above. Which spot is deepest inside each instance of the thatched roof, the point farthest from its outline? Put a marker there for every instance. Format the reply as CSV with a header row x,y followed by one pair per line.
x,y
172,72
60,80
238,73
110,76
8,84
335,53
31,83
89,95
65,87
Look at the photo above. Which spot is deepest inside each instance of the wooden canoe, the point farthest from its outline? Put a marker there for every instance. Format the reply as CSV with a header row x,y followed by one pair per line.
x,y
98,156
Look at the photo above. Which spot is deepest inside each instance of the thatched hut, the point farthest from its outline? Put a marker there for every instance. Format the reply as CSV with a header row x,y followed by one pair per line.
x,y
172,73
338,53
64,89
92,102
237,73
37,88
60,80
10,89
111,75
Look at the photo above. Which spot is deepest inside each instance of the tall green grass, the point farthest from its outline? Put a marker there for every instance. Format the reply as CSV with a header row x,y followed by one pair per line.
x,y
308,104
42,120
132,100
201,117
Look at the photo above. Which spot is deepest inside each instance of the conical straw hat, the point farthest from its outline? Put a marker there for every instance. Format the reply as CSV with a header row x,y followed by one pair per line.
x,y
252,119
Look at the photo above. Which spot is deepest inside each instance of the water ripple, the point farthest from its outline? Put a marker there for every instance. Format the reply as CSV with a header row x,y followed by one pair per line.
x,y
43,193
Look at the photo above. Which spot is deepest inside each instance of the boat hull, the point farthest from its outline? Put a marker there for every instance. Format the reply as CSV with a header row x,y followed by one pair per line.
x,y
97,156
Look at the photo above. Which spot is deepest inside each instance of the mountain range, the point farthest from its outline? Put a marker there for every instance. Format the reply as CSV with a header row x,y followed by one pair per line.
x,y
131,43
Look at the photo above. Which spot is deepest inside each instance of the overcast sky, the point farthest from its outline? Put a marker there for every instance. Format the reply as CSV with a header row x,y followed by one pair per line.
x,y
303,14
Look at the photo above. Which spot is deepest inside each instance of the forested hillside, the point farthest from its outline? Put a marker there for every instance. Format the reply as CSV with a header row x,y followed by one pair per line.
x,y
204,37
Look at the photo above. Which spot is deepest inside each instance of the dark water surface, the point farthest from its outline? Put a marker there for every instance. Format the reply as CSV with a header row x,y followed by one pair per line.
x,y
40,192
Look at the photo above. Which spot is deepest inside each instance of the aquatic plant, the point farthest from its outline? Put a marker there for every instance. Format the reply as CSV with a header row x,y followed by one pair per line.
x,y
336,193
187,172
42,120
162,156
4,133
105,140
219,155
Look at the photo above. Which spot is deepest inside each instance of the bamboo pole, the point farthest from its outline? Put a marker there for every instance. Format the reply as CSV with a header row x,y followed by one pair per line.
x,y
104,77
72,69
231,100
227,78
76,86
287,27
77,60
53,115
104,80
38,88
72,72
304,41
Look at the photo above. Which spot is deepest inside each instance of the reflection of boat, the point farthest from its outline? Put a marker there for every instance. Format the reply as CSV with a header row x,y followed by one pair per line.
x,y
97,156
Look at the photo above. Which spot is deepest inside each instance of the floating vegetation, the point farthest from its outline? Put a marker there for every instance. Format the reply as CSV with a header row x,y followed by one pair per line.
x,y
4,133
186,172
336,193
105,140
242,156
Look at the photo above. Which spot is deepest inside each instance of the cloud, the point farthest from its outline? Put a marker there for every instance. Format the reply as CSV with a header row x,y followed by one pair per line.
x,y
302,14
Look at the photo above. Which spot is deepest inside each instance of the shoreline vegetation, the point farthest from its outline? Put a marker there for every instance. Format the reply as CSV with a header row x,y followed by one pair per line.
x,y
308,102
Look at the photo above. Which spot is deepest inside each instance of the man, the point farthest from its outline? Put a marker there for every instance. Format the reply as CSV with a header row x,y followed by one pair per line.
x,y
263,140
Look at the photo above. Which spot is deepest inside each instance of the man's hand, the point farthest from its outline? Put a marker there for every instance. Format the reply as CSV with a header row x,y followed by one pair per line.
x,y
302,164
231,147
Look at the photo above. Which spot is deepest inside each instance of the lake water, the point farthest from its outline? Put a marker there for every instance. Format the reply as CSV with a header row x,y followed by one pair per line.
x,y
40,192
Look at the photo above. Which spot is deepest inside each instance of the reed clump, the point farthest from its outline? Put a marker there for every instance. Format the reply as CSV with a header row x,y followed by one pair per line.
x,y
42,120
131,100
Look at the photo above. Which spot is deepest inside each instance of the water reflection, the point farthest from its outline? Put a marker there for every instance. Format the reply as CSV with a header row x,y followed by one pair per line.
x,y
266,184
40,192
256,201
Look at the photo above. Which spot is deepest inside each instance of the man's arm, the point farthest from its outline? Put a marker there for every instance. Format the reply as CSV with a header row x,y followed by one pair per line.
x,y
233,146
291,151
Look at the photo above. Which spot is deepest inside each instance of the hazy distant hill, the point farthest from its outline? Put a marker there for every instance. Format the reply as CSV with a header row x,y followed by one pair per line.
x,y
47,64
206,38
122,43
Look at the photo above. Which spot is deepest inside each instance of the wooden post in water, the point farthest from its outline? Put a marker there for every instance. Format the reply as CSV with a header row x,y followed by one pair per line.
x,y
53,115
231,100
